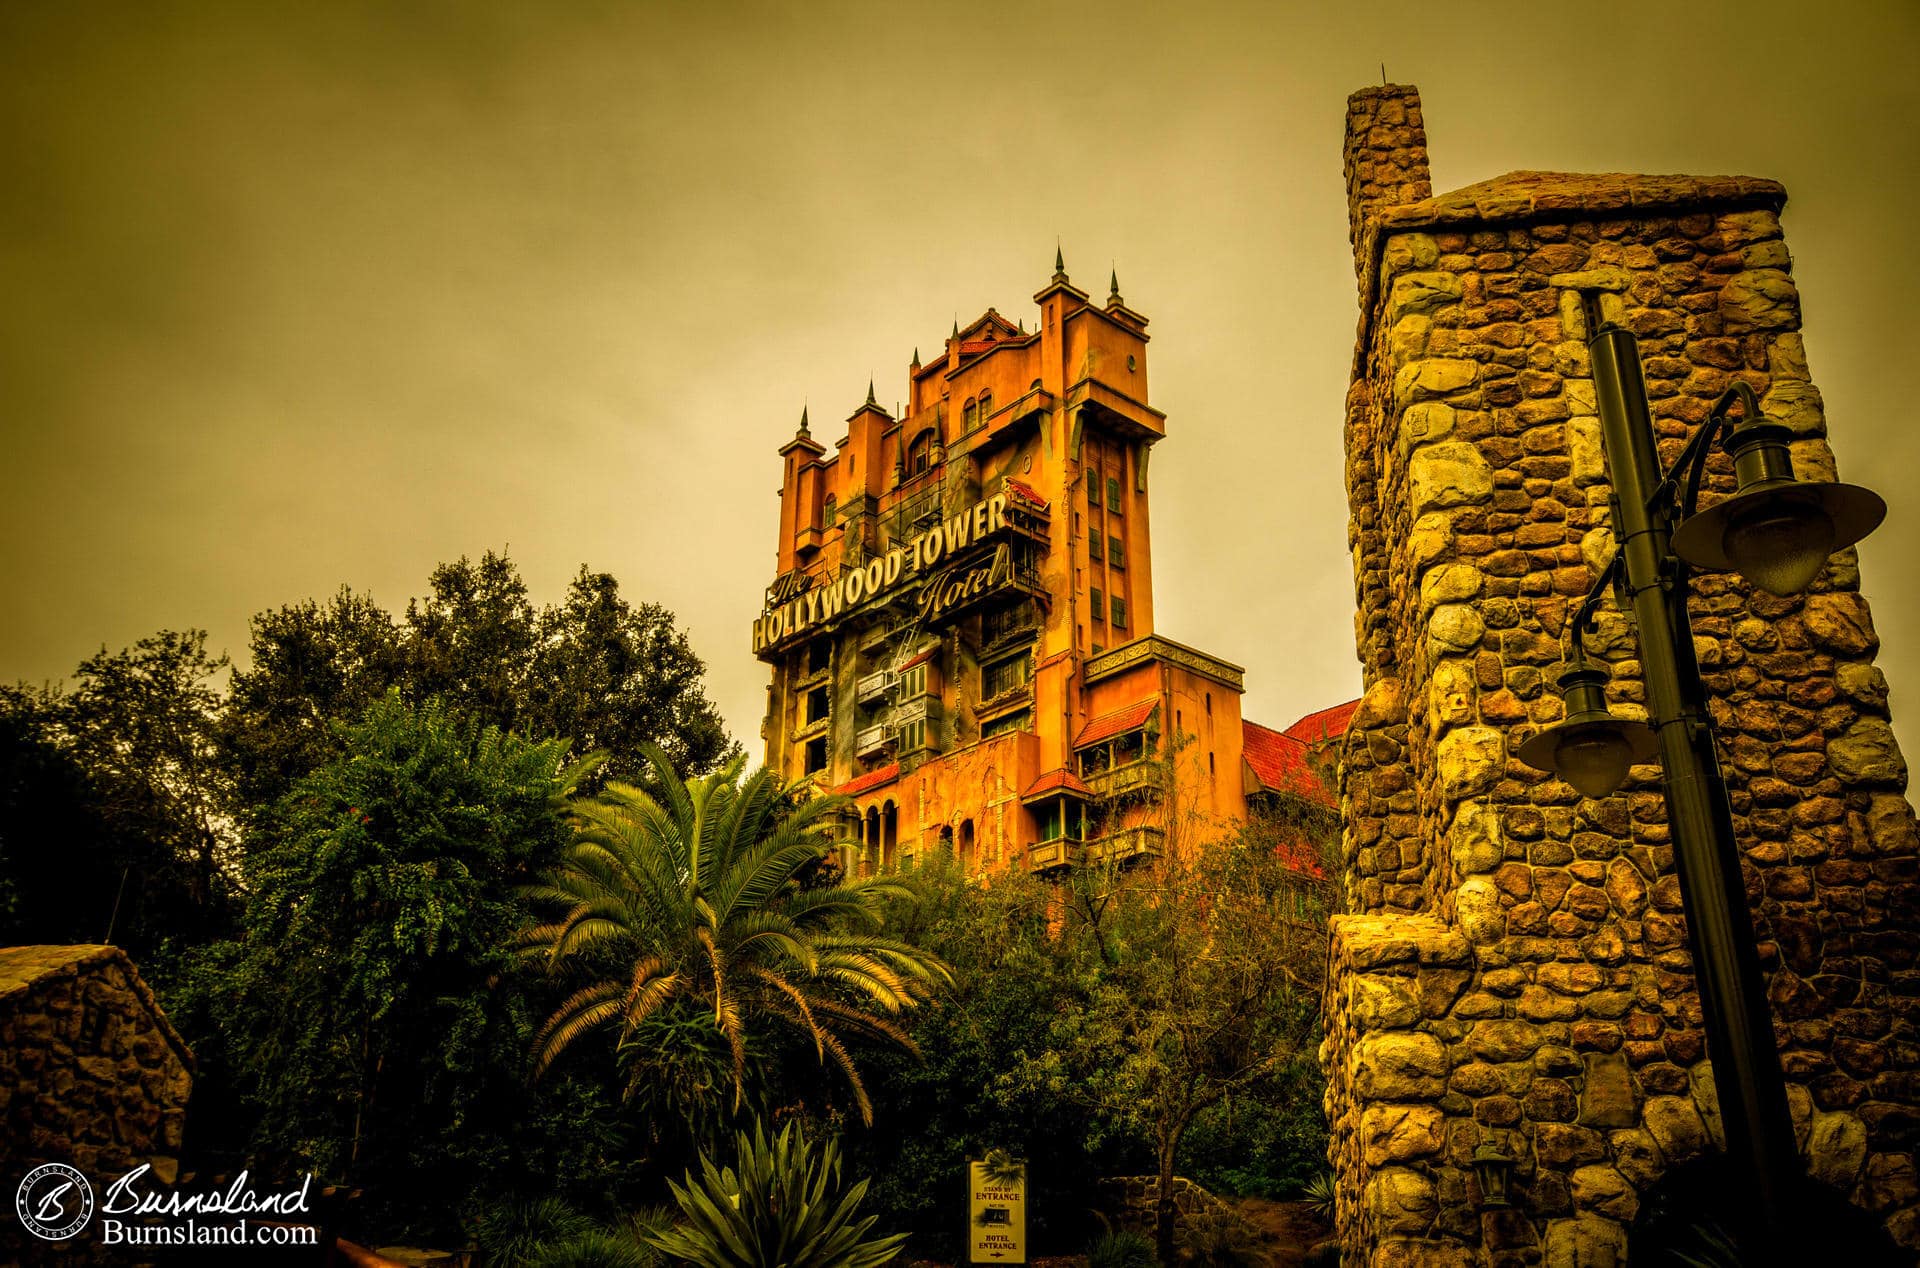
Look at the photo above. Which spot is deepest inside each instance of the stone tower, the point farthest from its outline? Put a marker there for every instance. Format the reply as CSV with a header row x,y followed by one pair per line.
x,y
1515,969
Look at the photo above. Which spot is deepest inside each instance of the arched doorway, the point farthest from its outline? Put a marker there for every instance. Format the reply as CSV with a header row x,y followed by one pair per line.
x,y
969,853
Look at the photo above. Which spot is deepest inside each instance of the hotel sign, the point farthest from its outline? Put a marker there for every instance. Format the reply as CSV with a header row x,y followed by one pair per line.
x,y
996,1215
794,609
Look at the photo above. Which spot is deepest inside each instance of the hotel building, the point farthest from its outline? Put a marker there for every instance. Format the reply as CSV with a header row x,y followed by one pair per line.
x,y
961,626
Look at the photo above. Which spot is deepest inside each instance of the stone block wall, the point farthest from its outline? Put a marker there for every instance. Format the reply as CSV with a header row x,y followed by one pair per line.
x,y
1479,503
91,1073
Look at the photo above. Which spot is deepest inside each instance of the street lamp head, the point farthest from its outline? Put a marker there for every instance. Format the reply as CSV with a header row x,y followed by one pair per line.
x,y
1776,531
1590,748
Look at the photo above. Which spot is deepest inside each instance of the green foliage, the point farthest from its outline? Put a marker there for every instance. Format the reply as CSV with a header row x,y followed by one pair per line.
x,y
594,1249
1218,1239
125,756
370,1018
1266,1145
784,1207
593,668
958,1103
686,907
509,1233
1121,1248
1322,1193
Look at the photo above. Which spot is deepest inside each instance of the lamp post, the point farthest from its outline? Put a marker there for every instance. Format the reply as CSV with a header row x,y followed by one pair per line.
x,y
1777,532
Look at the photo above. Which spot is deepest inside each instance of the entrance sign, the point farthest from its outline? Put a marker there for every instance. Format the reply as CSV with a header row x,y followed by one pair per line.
x,y
996,1214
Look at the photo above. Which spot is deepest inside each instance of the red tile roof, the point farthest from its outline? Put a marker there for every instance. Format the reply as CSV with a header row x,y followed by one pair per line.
x,y
1058,780
1025,492
1120,721
919,658
1279,762
1327,724
872,779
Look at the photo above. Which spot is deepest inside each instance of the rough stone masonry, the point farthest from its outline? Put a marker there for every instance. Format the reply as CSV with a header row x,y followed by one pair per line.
x,y
1515,967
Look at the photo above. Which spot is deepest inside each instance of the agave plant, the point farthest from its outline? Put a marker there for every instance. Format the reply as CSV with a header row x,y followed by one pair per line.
x,y
1320,1195
783,1208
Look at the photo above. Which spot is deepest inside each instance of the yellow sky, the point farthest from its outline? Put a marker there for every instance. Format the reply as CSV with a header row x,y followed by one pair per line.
x,y
293,295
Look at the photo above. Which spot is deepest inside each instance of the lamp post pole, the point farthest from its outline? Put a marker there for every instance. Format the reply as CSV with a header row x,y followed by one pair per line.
x,y
1739,1024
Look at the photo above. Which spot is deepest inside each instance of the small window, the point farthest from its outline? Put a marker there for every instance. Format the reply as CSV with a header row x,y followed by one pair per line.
x,y
829,511
1209,704
1113,494
817,653
986,407
1050,818
1094,546
1117,553
913,736
1004,676
913,682
1020,721
816,757
817,705
1119,613
969,416
920,453
1099,604
1209,763
1093,488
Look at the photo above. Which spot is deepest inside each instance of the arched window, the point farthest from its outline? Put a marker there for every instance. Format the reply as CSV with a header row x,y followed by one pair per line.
x,y
828,509
986,407
969,416
920,453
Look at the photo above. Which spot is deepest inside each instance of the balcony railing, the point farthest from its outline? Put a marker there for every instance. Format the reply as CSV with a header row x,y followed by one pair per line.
x,y
870,740
871,687
1128,843
1135,778
1044,856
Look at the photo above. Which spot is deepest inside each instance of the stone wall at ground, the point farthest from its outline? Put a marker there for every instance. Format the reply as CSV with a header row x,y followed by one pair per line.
x,y
1133,1202
1516,970
91,1072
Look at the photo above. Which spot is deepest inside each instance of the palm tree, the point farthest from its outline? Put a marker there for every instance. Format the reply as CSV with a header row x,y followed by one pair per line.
x,y
687,903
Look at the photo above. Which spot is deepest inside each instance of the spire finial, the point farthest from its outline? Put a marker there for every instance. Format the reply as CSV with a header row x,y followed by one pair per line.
x,y
916,355
1113,283
870,399
1059,258
956,328
803,422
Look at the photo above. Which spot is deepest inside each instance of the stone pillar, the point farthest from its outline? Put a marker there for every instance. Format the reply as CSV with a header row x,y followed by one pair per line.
x,y
1516,968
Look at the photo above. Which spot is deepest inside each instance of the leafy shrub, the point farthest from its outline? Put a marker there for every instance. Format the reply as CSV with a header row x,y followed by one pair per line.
x,y
1320,1194
1121,1249
784,1206
595,1249
1218,1239
511,1233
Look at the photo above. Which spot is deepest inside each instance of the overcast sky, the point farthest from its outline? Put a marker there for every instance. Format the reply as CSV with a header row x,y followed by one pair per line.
x,y
296,295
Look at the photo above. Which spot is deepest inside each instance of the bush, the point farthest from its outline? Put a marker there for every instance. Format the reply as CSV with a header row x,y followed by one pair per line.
x,y
784,1207
510,1234
1121,1249
595,1249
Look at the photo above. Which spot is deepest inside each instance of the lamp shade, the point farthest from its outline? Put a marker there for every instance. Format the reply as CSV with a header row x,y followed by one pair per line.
x,y
1776,531
1590,748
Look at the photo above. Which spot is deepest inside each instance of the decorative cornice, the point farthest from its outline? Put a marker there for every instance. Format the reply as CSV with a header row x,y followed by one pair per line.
x,y
1154,647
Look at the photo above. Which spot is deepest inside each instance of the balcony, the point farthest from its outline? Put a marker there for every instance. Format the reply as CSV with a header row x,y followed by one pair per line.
x,y
871,687
871,740
1128,844
1044,856
1136,779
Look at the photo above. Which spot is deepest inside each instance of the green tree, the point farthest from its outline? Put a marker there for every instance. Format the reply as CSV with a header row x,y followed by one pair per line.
x,y
615,676
1214,965
470,640
371,1017
52,831
140,724
685,913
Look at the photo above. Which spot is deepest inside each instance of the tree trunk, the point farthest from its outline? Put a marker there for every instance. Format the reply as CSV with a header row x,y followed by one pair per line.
x,y
1163,1208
